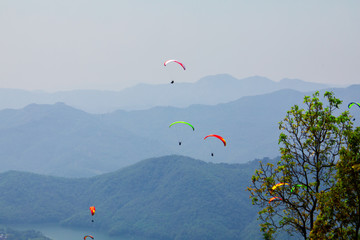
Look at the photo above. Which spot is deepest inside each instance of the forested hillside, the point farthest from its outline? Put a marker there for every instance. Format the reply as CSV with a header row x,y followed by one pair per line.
x,y
171,197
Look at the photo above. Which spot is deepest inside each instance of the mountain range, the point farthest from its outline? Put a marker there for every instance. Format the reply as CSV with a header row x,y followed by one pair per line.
x,y
171,197
209,90
63,157
61,140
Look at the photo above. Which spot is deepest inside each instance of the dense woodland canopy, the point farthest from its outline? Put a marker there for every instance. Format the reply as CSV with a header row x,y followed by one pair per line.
x,y
171,197
304,193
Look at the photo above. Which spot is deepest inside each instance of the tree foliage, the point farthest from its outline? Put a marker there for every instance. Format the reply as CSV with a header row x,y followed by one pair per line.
x,y
339,216
310,143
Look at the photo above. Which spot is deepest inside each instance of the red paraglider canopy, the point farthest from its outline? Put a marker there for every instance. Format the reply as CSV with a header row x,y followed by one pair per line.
x,y
172,60
217,136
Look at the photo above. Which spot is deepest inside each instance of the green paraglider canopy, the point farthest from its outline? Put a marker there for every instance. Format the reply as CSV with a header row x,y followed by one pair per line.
x,y
183,123
296,186
353,103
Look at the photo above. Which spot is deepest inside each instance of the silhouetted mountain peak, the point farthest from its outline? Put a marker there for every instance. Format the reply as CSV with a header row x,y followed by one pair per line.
x,y
354,86
59,106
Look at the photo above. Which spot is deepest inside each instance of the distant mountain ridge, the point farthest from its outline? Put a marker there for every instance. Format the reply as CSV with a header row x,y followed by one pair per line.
x,y
209,90
64,141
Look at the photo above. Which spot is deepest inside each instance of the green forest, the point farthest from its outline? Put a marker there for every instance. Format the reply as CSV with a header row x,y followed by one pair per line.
x,y
171,197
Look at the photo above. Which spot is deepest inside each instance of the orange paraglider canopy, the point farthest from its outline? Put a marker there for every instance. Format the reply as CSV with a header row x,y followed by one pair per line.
x,y
275,198
92,210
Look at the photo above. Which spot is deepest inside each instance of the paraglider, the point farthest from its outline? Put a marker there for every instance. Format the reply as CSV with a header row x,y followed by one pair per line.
x,y
278,185
182,122
175,61
218,137
275,198
92,210
88,236
352,104
296,186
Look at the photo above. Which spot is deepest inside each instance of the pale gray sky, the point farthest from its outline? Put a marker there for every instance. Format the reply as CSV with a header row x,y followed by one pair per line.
x,y
112,44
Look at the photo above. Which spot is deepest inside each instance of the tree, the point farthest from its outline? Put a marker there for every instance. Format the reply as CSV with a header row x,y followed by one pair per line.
x,y
339,216
310,142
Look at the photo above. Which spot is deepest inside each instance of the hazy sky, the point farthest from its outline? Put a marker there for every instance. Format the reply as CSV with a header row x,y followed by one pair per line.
x,y
113,44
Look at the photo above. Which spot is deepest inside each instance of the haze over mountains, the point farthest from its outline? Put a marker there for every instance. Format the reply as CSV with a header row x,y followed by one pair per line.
x,y
64,141
209,90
